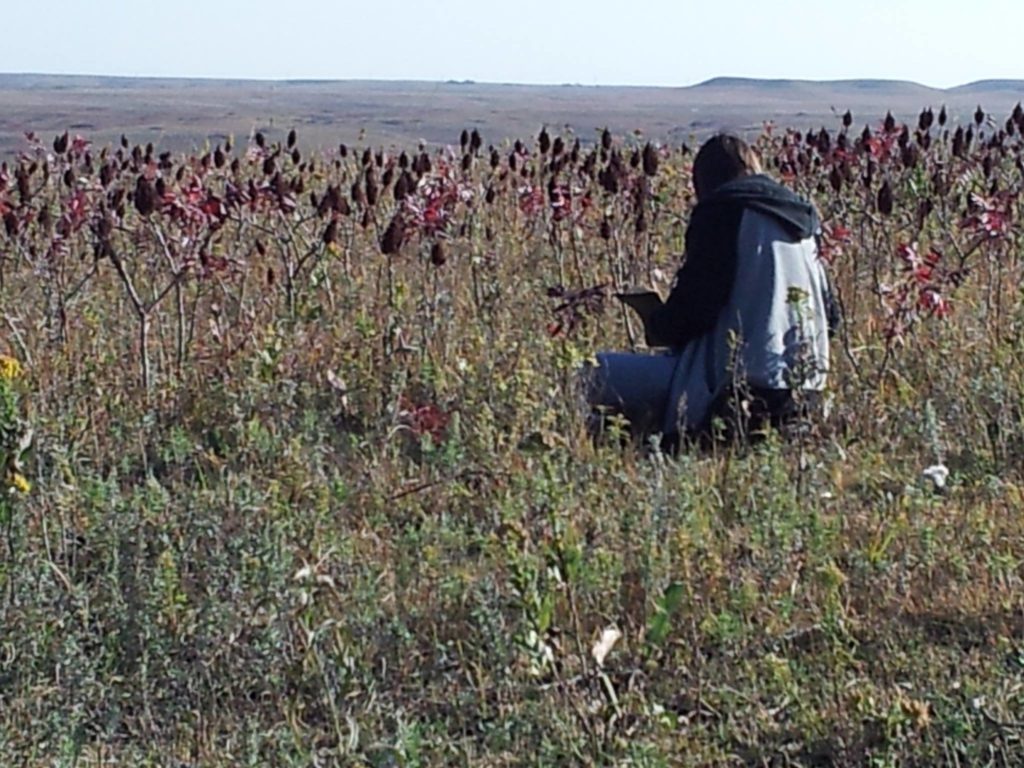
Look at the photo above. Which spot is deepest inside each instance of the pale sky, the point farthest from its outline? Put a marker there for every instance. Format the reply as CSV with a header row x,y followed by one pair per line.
x,y
939,43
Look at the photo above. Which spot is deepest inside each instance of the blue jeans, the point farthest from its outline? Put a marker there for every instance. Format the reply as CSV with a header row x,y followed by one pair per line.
x,y
637,386
634,385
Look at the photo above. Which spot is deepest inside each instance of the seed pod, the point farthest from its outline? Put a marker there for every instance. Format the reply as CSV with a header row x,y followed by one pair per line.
x,y
865,138
979,115
236,165
558,147
847,119
124,141
958,142
823,141
495,159
291,138
512,161
942,116
180,174
296,156
475,142
608,180
464,139
11,224
889,123
606,229
391,243
269,165
331,233
490,194
437,255
343,150
60,144
261,141
650,160
403,186
358,196
467,162
372,189
145,196
367,158
590,164
986,165
606,139
835,179
106,174
615,164
543,141
924,120
69,178
389,174
885,200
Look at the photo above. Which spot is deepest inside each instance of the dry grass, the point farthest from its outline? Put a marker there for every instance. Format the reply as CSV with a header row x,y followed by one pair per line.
x,y
297,502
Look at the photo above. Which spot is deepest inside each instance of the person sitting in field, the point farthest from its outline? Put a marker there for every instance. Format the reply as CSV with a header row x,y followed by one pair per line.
x,y
748,320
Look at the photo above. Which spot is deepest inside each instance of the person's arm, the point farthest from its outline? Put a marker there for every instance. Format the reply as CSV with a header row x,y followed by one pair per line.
x,y
704,282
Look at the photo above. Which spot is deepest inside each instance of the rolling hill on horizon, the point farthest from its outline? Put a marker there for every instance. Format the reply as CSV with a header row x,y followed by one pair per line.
x,y
183,113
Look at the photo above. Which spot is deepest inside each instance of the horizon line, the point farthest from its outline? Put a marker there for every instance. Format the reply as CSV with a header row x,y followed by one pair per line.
x,y
716,80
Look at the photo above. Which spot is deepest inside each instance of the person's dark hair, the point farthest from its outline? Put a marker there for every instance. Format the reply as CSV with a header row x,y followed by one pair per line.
x,y
722,158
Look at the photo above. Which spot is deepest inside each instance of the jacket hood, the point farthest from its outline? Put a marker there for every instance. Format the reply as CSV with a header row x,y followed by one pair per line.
x,y
767,196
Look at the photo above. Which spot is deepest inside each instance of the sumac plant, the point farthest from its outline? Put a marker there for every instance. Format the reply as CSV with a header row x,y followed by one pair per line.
x,y
203,246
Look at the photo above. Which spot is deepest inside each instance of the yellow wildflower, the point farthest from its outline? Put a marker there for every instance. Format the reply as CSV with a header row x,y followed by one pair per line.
x,y
9,367
20,483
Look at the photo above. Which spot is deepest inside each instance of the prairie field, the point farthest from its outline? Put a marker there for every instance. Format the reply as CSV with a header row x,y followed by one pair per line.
x,y
296,471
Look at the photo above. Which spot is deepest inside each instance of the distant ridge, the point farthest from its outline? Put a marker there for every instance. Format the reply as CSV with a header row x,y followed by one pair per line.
x,y
865,84
991,85
41,80
188,113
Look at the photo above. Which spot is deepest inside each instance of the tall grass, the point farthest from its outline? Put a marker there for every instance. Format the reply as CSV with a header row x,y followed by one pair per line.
x,y
311,485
